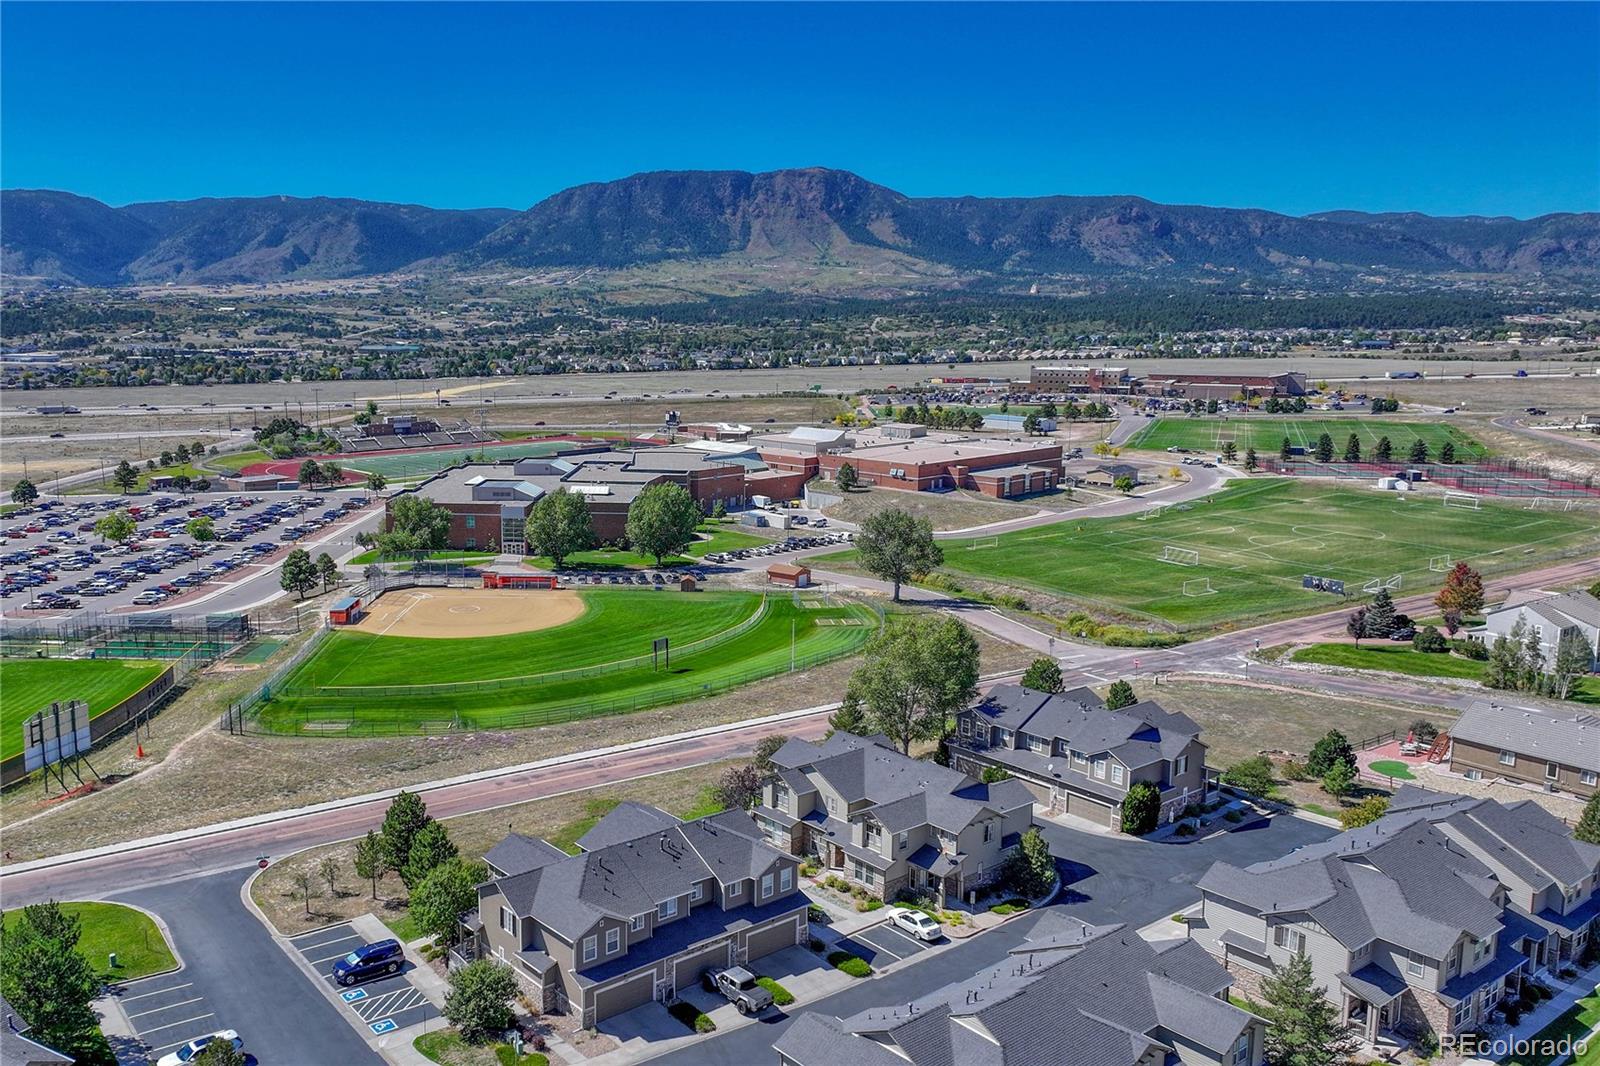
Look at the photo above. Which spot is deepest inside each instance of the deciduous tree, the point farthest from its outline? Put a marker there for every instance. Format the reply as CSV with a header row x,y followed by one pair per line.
x,y
24,492
1588,829
766,748
1333,747
918,672
1462,591
738,788
299,573
327,571
118,527
845,478
1574,657
416,524
478,1003
370,861
895,547
662,521
448,891
559,526
1043,675
47,982
1141,809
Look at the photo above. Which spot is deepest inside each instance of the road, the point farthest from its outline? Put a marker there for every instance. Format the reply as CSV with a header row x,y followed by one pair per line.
x,y
1107,880
1514,424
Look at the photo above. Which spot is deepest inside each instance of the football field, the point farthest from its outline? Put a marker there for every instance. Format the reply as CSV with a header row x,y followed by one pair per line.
x,y
29,685
1266,434
601,662
1240,555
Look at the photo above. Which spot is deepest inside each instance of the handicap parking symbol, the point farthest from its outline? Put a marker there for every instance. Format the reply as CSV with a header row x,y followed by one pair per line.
x,y
353,995
383,1025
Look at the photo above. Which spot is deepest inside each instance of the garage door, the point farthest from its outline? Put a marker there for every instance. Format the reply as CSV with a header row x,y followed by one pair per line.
x,y
688,968
766,941
1041,793
1099,813
633,992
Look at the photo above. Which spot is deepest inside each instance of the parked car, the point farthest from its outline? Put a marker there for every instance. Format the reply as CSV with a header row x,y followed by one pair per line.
x,y
738,986
188,1051
369,960
916,924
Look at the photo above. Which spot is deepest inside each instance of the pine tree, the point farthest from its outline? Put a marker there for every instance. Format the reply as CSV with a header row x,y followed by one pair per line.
x,y
1250,460
1505,666
407,814
1120,695
1383,451
1303,1027
1352,449
1285,450
1588,829
1447,453
1419,451
849,718
1324,448
1380,615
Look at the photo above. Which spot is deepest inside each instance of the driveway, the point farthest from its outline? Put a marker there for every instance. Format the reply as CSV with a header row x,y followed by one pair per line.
x,y
234,977
1108,879
379,1006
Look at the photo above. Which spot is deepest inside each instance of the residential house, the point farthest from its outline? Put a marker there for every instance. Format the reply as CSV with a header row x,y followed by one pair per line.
x,y
1419,923
1105,475
1549,619
646,906
17,1049
1079,758
1070,993
1559,751
888,822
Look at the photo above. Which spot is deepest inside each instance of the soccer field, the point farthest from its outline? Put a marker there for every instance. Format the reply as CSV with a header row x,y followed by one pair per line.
x,y
1266,435
419,464
1241,554
599,663
29,685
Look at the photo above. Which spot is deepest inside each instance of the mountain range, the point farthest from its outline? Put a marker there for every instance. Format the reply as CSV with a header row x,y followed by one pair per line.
x,y
804,216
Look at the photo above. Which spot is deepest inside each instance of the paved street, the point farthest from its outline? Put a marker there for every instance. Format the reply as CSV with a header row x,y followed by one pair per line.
x,y
235,976
1111,879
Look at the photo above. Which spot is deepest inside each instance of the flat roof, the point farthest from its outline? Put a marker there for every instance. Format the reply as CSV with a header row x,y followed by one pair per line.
x,y
928,451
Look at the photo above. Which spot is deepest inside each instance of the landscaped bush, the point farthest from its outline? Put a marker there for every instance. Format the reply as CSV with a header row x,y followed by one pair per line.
x,y
1011,906
1234,816
1295,770
1470,648
815,944
837,883
992,774
1185,829
1253,775
869,905
1430,640
852,965
815,913
780,995
692,1017
811,868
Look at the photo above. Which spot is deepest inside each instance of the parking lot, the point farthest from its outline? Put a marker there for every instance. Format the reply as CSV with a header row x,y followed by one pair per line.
x,y
882,944
52,563
168,1011
376,1007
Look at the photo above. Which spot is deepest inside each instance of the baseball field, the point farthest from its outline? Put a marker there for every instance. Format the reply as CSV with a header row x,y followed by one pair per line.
x,y
1266,435
1240,555
28,685
428,660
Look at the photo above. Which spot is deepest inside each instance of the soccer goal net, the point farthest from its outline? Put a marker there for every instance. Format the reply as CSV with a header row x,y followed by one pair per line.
x,y
1462,499
1181,556
1439,563
1198,586
986,542
1154,512
1377,584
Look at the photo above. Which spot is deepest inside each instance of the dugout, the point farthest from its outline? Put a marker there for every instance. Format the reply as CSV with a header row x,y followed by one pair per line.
x,y
493,580
346,611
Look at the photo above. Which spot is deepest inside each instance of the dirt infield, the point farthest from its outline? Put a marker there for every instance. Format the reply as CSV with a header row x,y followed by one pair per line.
x,y
445,613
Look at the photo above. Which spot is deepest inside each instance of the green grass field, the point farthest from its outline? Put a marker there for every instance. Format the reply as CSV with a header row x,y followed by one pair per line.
x,y
1393,658
1266,434
419,464
28,685
714,537
1580,1020
597,664
1255,540
106,927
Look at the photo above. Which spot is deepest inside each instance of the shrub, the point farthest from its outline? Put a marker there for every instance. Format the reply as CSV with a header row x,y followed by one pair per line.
x,y
1430,640
692,1017
1011,906
849,964
869,905
1252,775
1295,770
811,868
815,913
1141,809
1512,1012
1470,648
1234,816
1366,812
993,774
816,944
1424,731
780,995
1185,829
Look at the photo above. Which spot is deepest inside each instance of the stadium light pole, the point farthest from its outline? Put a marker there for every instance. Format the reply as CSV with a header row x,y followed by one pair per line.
x,y
791,645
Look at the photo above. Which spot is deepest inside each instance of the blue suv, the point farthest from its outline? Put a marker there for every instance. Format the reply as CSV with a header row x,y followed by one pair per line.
x,y
369,960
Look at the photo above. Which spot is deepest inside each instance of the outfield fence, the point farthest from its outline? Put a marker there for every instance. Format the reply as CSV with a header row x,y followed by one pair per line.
x,y
1513,478
233,719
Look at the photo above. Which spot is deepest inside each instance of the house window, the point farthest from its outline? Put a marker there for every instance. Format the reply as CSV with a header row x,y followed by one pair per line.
x,y
766,885
590,948
903,841
966,726
988,832
780,797
1079,759
1462,1014
1414,966
735,890
1005,738
472,521
1100,769
470,542
613,940
864,873
697,892
1180,766
832,804
871,834
1551,771
1589,777
786,879
1292,939
636,923
1116,773
1241,1050
668,908
1038,745
1508,758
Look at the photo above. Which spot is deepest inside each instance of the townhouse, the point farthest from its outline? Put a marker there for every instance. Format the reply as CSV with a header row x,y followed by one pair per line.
x,y
1071,992
1556,751
1420,923
647,905
1549,618
887,822
1079,758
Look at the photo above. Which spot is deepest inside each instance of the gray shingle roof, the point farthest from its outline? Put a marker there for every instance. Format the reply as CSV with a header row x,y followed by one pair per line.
x,y
1137,735
518,854
1567,738
17,1049
1104,993
626,821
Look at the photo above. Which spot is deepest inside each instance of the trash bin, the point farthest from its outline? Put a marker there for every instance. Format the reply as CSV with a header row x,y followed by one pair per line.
x,y
111,959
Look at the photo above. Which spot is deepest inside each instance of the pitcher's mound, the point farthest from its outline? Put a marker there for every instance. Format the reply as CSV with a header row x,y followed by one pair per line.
x,y
442,612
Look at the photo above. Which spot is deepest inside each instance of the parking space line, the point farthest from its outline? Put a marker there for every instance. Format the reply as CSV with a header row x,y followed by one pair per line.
x,y
157,992
343,931
326,958
169,1006
174,1025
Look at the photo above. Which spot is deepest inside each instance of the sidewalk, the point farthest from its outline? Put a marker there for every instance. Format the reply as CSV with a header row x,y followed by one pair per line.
x,y
1566,994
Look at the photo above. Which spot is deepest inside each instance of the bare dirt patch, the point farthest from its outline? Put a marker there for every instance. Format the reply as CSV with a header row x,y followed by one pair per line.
x,y
945,510
445,613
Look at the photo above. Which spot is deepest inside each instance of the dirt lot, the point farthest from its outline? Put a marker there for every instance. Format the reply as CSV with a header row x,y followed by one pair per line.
x,y
946,510
559,819
641,415
201,775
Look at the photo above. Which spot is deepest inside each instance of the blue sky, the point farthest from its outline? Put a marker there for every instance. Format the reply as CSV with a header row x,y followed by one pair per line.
x,y
1440,108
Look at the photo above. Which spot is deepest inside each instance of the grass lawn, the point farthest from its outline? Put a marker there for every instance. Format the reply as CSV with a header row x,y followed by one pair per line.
x,y
1255,541
1394,658
29,685
1393,768
233,462
418,464
371,556
598,663
1581,1019
1266,434
714,537
106,927
446,1047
